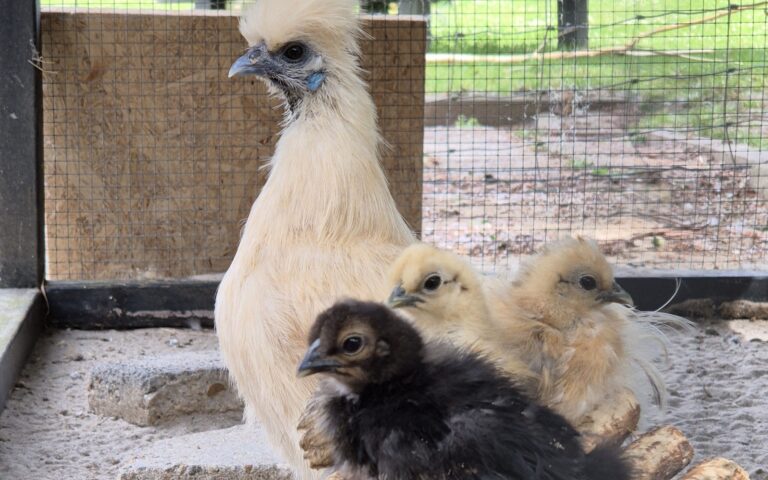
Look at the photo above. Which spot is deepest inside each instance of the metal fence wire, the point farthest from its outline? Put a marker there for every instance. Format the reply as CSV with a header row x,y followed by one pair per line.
x,y
637,123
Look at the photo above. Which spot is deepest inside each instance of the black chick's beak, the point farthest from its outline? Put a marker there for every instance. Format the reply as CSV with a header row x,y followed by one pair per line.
x,y
314,362
616,295
255,61
399,298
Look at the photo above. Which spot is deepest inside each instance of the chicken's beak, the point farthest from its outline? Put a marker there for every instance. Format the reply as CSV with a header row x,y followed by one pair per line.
x,y
255,61
399,298
616,295
314,362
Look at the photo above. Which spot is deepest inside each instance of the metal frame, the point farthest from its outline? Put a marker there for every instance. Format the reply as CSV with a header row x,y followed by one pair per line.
x,y
21,185
189,303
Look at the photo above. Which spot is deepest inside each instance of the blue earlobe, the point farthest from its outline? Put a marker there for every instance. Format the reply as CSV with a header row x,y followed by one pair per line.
x,y
315,80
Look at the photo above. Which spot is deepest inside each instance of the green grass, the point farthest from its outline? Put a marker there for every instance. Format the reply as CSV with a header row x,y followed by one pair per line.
x,y
728,86
674,92
118,4
520,26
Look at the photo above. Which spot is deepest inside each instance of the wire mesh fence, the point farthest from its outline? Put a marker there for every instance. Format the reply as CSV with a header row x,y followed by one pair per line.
x,y
639,123
644,132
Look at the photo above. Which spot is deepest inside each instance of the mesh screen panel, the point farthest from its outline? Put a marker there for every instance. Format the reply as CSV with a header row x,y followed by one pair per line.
x,y
510,124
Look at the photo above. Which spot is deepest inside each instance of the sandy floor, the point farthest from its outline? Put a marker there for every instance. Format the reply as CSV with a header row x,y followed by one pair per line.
x,y
46,431
718,382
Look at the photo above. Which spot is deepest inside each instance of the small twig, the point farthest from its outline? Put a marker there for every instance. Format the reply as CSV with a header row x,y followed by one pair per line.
x,y
667,28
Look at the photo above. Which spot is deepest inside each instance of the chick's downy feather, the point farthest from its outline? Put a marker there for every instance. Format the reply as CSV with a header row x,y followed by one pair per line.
x,y
561,330
324,224
446,299
574,326
401,409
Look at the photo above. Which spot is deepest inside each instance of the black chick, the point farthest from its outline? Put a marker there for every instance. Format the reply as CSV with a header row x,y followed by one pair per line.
x,y
399,409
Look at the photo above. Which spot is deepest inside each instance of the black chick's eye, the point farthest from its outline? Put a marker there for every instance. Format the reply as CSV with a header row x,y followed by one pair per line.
x,y
432,283
294,52
588,282
352,344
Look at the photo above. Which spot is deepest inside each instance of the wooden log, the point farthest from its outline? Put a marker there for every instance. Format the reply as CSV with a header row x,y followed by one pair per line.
x,y
659,454
717,469
612,422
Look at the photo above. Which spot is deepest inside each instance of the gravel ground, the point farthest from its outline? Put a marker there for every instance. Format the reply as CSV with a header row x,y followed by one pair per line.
x,y
497,193
717,379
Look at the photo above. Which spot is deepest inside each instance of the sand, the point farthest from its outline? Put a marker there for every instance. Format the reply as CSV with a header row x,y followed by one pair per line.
x,y
718,382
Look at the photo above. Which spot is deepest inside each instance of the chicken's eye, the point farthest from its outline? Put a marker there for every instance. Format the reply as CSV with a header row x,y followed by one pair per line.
x,y
588,282
432,283
352,344
294,52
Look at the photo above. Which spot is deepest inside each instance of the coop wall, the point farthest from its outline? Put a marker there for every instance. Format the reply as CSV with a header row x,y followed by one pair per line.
x,y
153,156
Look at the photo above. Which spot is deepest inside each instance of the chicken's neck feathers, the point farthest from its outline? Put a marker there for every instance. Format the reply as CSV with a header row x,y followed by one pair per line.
x,y
325,183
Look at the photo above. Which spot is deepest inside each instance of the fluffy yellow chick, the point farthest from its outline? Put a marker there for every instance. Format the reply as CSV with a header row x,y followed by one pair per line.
x,y
575,328
445,297
563,327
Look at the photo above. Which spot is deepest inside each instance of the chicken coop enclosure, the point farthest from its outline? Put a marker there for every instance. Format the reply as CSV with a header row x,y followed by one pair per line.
x,y
132,160
129,162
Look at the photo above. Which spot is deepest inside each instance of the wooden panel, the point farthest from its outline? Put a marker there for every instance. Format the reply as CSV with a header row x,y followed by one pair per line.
x,y
152,154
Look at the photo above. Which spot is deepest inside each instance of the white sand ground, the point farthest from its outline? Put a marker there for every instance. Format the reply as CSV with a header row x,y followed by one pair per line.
x,y
718,382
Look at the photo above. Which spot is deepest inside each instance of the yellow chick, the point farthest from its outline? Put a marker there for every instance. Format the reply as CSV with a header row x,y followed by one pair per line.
x,y
445,298
563,328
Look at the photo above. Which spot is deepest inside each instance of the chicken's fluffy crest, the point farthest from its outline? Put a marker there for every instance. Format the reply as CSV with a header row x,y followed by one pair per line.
x,y
326,23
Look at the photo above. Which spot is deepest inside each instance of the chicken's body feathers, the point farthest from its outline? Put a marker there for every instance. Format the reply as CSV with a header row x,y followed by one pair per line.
x,y
324,225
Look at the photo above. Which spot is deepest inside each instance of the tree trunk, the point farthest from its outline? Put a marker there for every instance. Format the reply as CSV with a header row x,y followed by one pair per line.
x,y
413,7
374,6
572,24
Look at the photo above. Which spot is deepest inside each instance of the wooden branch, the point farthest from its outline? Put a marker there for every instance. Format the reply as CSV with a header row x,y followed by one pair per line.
x,y
667,28
612,422
659,454
717,469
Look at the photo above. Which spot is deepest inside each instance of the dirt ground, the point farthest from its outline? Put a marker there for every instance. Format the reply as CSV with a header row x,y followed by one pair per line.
x,y
46,431
496,193
717,380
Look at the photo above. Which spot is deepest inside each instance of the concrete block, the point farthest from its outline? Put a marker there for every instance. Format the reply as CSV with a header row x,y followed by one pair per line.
x,y
236,453
149,390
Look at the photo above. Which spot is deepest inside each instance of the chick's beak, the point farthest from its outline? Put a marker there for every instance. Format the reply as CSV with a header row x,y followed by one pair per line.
x,y
616,295
314,362
399,298
255,61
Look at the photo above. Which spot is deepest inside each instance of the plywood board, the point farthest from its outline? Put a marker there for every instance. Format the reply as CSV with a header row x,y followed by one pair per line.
x,y
153,156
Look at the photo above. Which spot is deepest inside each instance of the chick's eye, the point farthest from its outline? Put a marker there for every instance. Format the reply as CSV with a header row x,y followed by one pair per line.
x,y
294,52
588,282
352,344
432,283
